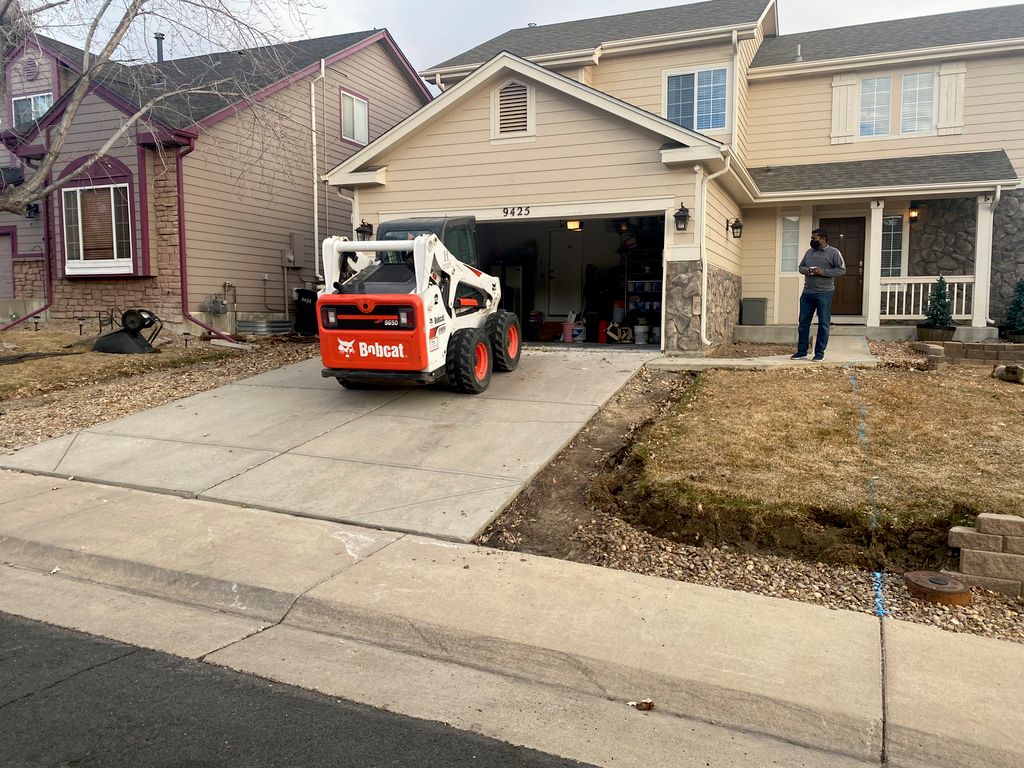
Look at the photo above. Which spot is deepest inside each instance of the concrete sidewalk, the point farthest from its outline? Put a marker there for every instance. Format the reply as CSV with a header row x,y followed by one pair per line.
x,y
843,352
430,628
419,460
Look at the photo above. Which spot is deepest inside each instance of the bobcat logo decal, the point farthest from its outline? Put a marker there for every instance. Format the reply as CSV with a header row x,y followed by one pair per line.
x,y
346,347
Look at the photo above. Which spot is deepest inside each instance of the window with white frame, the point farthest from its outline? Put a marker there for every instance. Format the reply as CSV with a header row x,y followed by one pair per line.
x,y
917,103
697,100
892,246
875,106
355,118
28,109
97,230
790,249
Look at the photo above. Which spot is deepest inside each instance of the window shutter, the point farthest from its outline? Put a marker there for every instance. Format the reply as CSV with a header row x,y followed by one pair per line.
x,y
513,109
97,224
952,77
844,108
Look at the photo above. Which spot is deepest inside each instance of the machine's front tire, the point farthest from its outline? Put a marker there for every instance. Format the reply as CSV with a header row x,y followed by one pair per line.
x,y
470,361
506,337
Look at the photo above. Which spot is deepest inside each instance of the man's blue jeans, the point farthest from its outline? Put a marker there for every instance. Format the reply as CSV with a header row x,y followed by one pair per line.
x,y
809,304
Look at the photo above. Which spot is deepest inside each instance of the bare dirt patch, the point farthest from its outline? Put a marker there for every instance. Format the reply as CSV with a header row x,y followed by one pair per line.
x,y
744,349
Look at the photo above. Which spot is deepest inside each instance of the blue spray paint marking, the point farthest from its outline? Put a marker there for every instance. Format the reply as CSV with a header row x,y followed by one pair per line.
x,y
862,431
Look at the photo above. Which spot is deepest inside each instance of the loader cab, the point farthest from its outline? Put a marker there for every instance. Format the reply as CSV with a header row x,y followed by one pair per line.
x,y
456,233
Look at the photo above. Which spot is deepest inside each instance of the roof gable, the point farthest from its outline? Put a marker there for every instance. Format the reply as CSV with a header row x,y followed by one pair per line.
x,y
504,65
963,27
586,34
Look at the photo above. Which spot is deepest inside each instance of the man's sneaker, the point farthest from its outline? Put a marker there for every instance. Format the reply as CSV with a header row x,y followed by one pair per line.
x,y
818,358
798,356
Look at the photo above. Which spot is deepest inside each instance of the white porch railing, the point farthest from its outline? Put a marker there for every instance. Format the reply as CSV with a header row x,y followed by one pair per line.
x,y
906,298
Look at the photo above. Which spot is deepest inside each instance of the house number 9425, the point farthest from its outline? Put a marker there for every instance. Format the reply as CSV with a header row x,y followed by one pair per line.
x,y
516,210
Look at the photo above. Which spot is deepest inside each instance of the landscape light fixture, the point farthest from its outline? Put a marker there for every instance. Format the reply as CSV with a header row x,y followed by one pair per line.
x,y
682,217
735,226
364,231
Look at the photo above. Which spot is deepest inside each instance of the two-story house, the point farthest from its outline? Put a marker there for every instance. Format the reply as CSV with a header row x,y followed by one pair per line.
x,y
668,166
210,208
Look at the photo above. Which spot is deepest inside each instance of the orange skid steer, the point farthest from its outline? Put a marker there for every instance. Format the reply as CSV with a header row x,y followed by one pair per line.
x,y
410,311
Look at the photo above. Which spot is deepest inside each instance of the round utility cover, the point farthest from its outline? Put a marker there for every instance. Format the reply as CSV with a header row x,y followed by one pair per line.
x,y
935,587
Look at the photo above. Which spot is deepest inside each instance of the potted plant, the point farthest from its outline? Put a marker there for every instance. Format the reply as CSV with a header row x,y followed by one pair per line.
x,y
938,324
1015,315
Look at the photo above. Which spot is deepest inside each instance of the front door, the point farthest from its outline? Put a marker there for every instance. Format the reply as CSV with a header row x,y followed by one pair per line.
x,y
848,236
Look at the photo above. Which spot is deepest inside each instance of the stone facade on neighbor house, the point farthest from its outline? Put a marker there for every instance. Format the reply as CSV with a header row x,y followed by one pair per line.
x,y
245,184
895,118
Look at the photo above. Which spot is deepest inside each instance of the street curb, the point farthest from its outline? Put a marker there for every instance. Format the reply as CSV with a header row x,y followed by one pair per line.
x,y
217,594
683,697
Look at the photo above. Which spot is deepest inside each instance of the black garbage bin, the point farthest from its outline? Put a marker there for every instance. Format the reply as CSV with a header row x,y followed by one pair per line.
x,y
305,312
592,319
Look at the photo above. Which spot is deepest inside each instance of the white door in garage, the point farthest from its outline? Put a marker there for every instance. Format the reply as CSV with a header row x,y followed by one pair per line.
x,y
565,273
6,268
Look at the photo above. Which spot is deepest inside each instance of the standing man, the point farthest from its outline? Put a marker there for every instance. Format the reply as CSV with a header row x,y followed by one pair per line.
x,y
819,266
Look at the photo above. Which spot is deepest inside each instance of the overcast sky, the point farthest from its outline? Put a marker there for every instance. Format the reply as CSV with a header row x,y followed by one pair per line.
x,y
431,32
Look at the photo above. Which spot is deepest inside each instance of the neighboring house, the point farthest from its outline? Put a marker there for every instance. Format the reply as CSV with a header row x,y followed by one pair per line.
x,y
210,208
698,148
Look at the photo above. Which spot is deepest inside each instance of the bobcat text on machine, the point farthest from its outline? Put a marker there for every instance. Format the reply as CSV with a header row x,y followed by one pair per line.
x,y
411,312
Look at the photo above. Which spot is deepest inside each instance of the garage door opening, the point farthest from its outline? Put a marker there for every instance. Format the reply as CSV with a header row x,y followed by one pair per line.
x,y
607,274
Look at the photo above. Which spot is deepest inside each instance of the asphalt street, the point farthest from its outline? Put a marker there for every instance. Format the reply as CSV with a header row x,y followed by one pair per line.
x,y
69,699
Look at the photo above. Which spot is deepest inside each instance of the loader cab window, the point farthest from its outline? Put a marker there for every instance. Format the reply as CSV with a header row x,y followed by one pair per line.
x,y
400,257
458,241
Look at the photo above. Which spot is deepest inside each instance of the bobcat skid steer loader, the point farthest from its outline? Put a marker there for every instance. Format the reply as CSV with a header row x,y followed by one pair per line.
x,y
413,313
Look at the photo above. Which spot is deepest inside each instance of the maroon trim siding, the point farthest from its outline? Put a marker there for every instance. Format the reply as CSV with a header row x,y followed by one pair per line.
x,y
341,116
98,176
141,157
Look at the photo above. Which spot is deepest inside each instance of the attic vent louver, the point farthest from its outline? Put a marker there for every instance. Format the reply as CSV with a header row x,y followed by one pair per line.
x,y
513,109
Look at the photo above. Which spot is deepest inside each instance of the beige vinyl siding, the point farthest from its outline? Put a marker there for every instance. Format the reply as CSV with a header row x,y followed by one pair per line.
x,y
747,50
639,78
249,184
724,250
580,153
760,255
790,118
95,122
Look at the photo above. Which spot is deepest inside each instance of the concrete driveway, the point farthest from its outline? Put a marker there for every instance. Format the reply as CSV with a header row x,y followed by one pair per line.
x,y
419,460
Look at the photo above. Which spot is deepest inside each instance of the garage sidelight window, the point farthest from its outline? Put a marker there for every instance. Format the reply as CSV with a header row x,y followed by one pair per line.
x,y
97,230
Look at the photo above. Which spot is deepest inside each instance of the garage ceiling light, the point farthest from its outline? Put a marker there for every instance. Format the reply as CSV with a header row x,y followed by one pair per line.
x,y
574,225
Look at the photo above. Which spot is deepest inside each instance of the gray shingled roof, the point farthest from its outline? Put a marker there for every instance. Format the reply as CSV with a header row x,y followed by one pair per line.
x,y
10,177
975,26
586,34
236,75
890,172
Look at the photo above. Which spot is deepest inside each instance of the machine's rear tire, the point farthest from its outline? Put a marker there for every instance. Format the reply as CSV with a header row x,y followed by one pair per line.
x,y
470,361
506,337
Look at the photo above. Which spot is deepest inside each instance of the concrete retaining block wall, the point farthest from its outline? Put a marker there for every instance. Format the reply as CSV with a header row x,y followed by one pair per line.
x,y
992,554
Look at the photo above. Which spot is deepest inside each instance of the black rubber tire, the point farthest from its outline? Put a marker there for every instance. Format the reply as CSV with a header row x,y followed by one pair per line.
x,y
499,327
462,364
133,321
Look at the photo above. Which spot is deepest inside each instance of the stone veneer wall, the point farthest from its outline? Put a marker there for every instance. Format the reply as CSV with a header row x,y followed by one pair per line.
x,y
992,554
160,293
29,279
682,307
724,291
942,242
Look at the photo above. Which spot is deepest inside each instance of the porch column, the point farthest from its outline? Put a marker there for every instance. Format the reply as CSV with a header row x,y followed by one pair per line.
x,y
983,262
873,267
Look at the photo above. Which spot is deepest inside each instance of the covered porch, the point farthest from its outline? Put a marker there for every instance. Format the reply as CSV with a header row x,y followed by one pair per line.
x,y
896,240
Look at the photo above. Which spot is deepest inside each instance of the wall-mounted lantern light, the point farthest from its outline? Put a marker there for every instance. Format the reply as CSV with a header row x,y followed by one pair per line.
x,y
31,210
364,231
914,213
735,226
682,217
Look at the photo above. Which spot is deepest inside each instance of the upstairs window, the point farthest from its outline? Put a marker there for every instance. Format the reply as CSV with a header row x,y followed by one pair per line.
x,y
97,230
697,100
355,118
918,103
28,109
875,105
512,111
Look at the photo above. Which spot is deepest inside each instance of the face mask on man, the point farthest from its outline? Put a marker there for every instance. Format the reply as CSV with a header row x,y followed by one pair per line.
x,y
815,244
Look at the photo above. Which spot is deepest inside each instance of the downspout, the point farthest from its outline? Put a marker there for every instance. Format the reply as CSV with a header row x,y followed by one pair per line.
x,y
179,168
705,180
316,174
47,271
